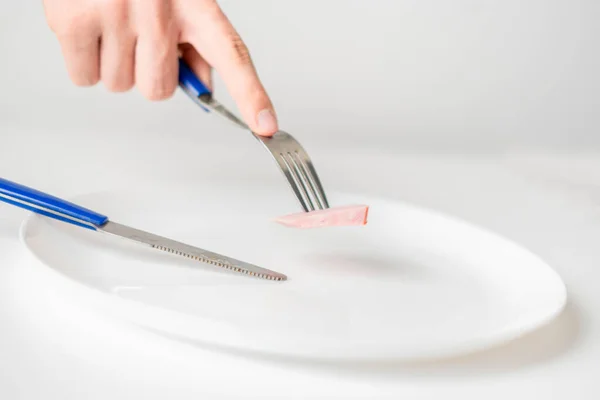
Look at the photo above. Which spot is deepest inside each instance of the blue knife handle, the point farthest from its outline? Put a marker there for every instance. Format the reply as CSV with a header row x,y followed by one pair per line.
x,y
189,81
50,206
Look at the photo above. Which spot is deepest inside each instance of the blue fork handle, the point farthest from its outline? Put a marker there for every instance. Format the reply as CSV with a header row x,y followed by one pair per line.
x,y
191,84
50,206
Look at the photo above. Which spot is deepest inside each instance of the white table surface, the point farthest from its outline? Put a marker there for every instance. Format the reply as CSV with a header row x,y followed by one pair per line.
x,y
456,112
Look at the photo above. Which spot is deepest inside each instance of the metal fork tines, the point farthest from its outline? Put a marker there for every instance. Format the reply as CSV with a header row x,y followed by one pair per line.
x,y
291,157
298,169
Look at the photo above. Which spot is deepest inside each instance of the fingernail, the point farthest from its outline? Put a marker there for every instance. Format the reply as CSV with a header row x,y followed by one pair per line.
x,y
266,121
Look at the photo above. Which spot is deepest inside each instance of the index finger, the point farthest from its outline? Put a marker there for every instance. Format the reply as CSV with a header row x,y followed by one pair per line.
x,y
209,30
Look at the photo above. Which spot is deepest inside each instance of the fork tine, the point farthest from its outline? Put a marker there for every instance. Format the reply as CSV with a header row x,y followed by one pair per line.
x,y
316,193
301,181
285,168
314,178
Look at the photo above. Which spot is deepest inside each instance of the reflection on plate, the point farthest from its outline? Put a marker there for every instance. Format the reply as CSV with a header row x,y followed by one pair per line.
x,y
411,284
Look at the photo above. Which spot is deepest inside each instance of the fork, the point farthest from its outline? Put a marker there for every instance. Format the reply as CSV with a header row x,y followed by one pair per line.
x,y
290,156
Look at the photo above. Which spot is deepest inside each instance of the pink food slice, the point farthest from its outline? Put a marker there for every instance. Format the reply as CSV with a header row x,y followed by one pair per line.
x,y
338,216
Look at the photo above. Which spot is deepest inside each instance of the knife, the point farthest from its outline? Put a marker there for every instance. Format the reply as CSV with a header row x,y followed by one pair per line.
x,y
53,207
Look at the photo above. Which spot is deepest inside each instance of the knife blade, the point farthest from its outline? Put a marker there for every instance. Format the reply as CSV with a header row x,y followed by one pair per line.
x,y
185,250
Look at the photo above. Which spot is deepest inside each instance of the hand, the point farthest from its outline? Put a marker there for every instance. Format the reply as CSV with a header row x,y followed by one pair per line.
x,y
137,42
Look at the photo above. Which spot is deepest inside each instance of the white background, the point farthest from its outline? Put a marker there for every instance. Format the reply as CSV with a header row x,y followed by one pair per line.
x,y
484,109
485,74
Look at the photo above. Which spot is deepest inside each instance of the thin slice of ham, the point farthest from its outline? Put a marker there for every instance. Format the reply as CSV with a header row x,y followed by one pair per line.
x,y
338,216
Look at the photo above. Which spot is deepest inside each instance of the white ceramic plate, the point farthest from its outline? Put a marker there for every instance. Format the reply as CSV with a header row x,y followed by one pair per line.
x,y
411,284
